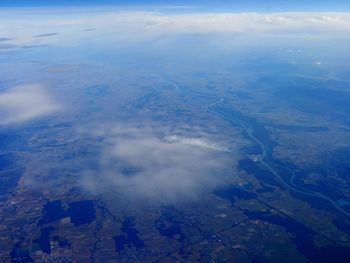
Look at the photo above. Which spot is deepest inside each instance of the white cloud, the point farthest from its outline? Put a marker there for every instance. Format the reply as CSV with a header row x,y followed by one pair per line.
x,y
139,24
24,103
144,162
199,142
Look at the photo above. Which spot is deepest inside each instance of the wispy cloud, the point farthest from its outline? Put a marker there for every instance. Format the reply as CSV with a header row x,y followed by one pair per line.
x,y
24,103
150,162
236,22
46,35
4,39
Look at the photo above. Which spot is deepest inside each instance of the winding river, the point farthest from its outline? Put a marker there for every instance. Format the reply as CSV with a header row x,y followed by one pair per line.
x,y
265,161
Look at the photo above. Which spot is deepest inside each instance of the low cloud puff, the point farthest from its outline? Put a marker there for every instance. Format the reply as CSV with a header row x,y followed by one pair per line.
x,y
23,103
142,162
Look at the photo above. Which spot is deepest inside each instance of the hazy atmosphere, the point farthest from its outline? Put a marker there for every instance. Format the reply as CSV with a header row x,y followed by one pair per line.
x,y
191,131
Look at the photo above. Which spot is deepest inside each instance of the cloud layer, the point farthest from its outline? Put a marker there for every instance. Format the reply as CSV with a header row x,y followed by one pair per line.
x,y
23,26
24,103
141,162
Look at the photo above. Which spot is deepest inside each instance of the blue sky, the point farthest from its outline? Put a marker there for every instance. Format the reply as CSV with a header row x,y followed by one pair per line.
x,y
231,5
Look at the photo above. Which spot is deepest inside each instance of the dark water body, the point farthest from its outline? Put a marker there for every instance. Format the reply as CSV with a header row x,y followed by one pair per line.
x,y
167,225
129,236
53,211
81,212
173,231
230,192
61,241
303,238
44,240
20,255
